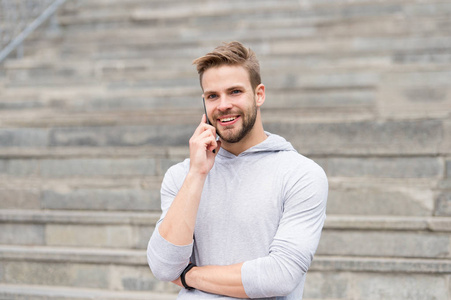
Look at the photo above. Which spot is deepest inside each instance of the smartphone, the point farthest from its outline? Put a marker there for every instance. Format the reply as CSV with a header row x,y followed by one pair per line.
x,y
208,121
205,110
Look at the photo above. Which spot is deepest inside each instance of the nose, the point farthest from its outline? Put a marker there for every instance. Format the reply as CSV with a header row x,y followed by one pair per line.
x,y
224,104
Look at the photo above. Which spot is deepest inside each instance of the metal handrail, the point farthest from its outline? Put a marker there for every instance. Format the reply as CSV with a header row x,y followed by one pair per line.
x,y
17,41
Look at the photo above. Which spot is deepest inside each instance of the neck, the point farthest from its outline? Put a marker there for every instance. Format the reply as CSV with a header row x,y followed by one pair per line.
x,y
254,137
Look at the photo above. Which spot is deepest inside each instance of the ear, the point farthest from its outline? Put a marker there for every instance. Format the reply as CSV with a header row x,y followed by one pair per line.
x,y
260,94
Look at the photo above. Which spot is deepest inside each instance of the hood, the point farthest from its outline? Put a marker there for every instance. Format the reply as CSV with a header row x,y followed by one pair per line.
x,y
274,143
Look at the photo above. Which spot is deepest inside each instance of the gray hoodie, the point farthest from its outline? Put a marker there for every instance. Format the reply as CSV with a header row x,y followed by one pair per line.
x,y
265,207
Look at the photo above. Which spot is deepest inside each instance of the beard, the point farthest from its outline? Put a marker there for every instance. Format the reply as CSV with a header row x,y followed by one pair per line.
x,y
248,120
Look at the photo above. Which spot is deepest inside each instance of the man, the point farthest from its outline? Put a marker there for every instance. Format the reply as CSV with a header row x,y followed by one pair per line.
x,y
242,217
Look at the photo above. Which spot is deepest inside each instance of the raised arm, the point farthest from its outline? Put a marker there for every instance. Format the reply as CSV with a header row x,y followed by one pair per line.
x,y
170,246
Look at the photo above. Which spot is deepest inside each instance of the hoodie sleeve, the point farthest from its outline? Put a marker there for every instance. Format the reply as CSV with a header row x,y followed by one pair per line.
x,y
166,260
296,240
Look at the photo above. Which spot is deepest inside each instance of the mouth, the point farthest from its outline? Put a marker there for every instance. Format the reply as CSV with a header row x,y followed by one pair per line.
x,y
228,120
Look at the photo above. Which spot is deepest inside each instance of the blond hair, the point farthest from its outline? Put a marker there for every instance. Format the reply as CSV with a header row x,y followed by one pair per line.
x,y
233,53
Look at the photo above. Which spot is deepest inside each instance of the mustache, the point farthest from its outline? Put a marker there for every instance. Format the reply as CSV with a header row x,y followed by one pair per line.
x,y
228,112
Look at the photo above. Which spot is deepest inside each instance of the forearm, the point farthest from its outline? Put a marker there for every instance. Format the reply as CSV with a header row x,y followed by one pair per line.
x,y
178,225
221,280
170,246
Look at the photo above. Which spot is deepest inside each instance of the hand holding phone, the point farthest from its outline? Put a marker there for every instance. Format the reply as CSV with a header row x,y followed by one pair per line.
x,y
205,111
208,120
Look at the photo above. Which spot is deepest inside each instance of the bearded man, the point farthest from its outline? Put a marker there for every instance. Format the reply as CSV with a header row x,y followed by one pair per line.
x,y
242,217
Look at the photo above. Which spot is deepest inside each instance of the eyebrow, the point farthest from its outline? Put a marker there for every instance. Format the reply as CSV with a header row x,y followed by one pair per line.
x,y
235,87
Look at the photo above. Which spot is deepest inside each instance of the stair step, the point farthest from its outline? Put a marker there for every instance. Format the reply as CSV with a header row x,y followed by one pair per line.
x,y
424,137
385,223
177,66
342,235
73,255
352,222
91,198
26,292
381,236
182,11
390,197
118,270
77,228
199,9
347,196
416,166
288,47
77,217
383,25
138,257
374,279
146,116
315,71
299,76
81,167
375,264
149,35
138,193
354,104
121,270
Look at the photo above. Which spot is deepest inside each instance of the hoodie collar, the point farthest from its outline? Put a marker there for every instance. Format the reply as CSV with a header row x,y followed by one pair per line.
x,y
273,143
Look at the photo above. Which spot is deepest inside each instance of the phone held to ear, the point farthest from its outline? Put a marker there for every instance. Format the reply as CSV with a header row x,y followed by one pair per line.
x,y
206,116
205,111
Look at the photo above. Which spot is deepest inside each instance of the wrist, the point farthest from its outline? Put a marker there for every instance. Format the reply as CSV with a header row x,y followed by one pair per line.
x,y
185,277
194,175
190,277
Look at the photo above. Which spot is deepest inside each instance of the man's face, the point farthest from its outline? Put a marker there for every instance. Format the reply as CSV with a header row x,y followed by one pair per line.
x,y
230,102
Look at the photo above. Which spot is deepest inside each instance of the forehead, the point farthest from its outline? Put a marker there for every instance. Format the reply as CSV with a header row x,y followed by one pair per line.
x,y
224,77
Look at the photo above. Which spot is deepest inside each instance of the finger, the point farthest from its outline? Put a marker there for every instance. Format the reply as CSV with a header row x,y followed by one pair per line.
x,y
201,127
213,146
207,134
204,119
207,139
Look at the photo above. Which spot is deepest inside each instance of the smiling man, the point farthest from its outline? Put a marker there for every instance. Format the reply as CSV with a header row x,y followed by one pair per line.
x,y
242,217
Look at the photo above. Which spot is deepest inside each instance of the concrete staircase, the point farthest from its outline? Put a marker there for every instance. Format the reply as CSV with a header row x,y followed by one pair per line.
x,y
91,119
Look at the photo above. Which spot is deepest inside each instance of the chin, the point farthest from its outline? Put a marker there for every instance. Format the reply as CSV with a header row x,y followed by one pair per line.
x,y
231,139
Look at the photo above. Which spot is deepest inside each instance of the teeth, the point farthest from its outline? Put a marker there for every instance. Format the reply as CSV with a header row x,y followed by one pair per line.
x,y
228,119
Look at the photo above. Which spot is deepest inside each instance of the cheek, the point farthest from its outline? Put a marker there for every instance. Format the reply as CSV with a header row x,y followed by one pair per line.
x,y
210,108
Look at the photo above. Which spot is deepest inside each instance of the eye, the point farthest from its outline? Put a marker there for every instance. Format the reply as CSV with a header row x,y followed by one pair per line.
x,y
236,91
211,96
